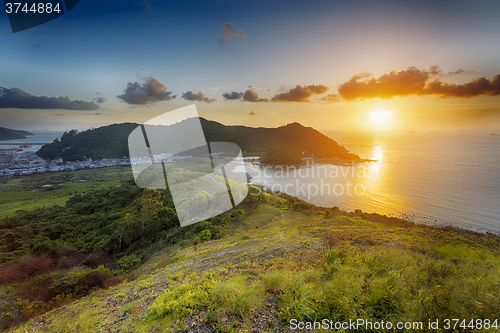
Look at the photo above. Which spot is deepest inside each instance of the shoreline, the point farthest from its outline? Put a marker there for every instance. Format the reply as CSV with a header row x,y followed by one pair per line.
x,y
447,226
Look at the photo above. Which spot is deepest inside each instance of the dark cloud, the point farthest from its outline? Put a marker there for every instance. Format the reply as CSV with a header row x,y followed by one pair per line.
x,y
151,91
252,113
300,93
191,96
232,95
251,96
460,71
248,95
19,99
229,32
414,81
100,100
36,46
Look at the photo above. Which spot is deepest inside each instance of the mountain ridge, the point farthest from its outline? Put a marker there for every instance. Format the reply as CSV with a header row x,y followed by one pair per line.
x,y
111,141
12,134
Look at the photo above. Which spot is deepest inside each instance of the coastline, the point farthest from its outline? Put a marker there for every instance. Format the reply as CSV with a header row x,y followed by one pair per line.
x,y
402,215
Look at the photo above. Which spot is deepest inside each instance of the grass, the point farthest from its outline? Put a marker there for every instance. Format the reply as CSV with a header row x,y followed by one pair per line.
x,y
28,192
274,265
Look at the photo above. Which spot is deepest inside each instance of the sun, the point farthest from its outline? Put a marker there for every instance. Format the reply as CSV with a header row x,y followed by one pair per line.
x,y
380,117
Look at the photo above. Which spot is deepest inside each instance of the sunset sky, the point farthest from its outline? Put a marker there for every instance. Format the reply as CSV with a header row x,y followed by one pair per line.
x,y
434,65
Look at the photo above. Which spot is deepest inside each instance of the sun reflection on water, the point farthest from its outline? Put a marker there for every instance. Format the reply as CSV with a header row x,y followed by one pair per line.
x,y
375,168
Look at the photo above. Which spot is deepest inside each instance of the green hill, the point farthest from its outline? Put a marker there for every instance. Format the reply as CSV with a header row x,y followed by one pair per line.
x,y
278,260
111,141
10,134
268,261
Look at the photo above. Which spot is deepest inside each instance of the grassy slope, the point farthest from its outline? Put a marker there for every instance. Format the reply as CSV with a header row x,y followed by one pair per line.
x,y
278,264
27,193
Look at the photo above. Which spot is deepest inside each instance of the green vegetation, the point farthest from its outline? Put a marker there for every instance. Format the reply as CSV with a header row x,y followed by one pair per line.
x,y
273,259
103,228
282,156
112,141
10,134
103,142
20,194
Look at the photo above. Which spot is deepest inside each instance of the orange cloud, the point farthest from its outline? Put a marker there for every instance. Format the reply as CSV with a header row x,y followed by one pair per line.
x,y
414,81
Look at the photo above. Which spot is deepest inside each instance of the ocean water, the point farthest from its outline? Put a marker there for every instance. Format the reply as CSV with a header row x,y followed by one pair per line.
x,y
432,178
38,139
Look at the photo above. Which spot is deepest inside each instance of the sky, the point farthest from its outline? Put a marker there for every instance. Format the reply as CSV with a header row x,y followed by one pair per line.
x,y
331,65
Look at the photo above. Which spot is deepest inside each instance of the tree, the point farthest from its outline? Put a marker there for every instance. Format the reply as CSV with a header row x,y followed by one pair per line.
x,y
151,205
282,156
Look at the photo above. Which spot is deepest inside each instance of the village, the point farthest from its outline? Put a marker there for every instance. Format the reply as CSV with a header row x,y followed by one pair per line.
x,y
16,162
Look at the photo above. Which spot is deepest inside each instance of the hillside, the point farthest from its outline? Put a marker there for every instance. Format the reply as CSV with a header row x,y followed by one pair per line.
x,y
269,260
276,264
10,134
111,141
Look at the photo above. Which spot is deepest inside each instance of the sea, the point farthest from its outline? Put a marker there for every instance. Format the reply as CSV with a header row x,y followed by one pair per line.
x,y
442,178
37,140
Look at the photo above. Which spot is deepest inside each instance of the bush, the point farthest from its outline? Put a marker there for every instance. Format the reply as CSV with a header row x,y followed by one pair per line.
x,y
236,213
181,300
301,205
128,262
25,268
205,235
80,283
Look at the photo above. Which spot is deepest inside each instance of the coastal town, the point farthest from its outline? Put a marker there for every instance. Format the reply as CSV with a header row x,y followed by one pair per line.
x,y
17,162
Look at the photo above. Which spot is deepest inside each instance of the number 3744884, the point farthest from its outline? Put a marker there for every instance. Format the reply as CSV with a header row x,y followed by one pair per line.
x,y
35,8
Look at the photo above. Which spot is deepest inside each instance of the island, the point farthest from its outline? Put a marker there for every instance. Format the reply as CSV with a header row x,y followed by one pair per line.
x,y
11,134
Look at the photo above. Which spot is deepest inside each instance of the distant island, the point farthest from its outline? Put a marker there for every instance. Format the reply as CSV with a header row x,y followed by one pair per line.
x,y
112,142
11,134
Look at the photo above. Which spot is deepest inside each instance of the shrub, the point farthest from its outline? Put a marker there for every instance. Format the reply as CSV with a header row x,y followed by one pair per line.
x,y
25,268
181,300
80,283
301,205
129,262
236,213
205,235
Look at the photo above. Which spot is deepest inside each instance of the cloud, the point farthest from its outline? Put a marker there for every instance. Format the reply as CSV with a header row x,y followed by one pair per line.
x,y
300,93
460,71
19,99
331,98
414,81
36,46
232,95
191,96
248,95
252,113
100,100
229,32
151,91
251,96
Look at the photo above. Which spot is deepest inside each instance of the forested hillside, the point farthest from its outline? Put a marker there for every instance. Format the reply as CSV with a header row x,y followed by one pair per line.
x,y
111,141
10,134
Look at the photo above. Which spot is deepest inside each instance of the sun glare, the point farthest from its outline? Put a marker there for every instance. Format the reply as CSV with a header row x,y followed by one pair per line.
x,y
380,117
